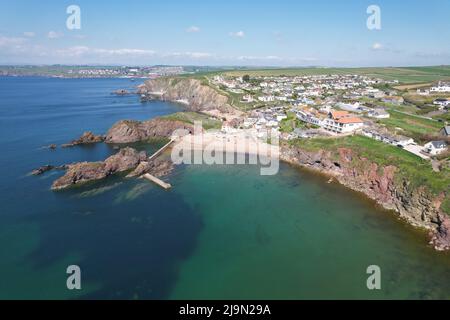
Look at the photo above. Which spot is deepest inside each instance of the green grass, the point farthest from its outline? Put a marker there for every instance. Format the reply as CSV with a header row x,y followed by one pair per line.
x,y
403,75
288,125
412,126
410,167
191,117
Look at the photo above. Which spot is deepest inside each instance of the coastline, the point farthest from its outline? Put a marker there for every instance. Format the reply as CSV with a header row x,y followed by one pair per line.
x,y
417,209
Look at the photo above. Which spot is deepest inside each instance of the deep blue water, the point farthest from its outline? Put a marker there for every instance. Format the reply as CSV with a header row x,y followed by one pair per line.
x,y
220,232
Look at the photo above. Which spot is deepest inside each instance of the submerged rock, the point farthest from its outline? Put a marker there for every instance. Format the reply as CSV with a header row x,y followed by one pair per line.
x,y
42,169
87,138
46,168
121,92
128,131
51,146
78,173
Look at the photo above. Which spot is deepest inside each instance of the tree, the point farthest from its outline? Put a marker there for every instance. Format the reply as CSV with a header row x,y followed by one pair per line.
x,y
246,78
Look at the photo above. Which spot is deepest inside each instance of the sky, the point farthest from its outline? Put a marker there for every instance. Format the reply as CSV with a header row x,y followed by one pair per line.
x,y
218,33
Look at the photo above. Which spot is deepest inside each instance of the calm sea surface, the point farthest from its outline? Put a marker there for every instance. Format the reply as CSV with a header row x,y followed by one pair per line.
x,y
220,232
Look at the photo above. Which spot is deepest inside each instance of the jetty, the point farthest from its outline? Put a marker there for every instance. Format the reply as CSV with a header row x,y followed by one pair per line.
x,y
159,182
154,179
164,147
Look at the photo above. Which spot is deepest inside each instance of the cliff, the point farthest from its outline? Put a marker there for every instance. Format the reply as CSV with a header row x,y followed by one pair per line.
x,y
196,95
384,184
129,131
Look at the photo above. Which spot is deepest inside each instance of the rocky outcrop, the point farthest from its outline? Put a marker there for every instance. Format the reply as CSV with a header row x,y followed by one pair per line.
x,y
78,173
46,168
416,205
87,138
199,97
128,131
441,238
121,92
156,167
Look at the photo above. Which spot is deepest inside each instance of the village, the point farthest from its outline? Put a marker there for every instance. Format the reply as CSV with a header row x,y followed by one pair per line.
x,y
304,107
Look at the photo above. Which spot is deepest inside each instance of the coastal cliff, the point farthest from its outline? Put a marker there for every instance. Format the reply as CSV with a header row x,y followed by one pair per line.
x,y
196,95
129,131
382,183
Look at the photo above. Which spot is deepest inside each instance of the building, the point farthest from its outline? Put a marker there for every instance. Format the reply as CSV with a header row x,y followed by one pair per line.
x,y
342,122
248,98
394,100
441,102
386,137
378,114
435,148
445,131
440,87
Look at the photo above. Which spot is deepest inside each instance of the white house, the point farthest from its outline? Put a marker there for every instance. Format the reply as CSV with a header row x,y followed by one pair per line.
x,y
342,122
266,98
378,114
248,98
435,147
441,87
441,102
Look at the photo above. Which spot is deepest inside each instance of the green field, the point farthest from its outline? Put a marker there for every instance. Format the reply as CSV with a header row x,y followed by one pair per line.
x,y
410,167
404,75
411,126
191,117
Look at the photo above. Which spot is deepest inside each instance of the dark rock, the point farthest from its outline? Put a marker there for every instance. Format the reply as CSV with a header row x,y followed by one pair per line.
x,y
51,146
156,167
128,131
121,92
78,173
87,138
42,170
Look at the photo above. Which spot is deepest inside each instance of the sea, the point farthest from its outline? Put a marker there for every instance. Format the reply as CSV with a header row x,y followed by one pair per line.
x,y
220,232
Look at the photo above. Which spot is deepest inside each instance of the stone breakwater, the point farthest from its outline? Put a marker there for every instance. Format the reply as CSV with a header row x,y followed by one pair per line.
x,y
415,205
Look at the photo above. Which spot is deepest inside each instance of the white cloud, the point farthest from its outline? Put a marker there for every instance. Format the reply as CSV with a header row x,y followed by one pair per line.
x,y
122,52
11,41
193,29
54,35
79,51
377,46
263,58
239,34
190,55
29,34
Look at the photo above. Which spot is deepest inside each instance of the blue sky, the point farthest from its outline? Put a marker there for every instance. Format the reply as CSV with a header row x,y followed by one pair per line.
x,y
270,33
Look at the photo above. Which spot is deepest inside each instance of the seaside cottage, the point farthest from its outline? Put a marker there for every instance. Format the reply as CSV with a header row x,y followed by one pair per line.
x,y
435,148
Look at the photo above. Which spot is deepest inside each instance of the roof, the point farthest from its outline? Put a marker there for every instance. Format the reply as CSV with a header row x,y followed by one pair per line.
x,y
350,120
438,144
339,114
446,130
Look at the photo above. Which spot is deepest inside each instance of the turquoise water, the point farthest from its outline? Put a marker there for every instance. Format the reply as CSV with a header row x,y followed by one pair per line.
x,y
221,232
